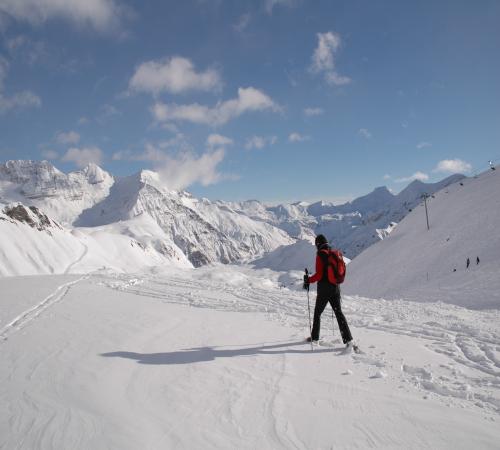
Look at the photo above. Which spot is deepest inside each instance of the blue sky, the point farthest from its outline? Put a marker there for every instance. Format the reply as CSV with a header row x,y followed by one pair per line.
x,y
276,100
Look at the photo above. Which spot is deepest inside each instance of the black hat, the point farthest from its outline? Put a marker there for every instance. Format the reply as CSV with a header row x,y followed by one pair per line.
x,y
320,240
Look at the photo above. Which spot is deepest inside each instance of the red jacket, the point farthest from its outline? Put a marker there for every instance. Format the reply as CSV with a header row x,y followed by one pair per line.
x,y
319,271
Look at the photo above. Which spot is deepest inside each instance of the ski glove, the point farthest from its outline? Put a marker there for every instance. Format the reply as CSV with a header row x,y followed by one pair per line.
x,y
306,282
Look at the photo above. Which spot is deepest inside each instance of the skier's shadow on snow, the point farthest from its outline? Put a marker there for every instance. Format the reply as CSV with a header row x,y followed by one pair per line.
x,y
206,354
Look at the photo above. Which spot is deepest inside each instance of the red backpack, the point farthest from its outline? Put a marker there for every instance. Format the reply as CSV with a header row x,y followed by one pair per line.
x,y
335,266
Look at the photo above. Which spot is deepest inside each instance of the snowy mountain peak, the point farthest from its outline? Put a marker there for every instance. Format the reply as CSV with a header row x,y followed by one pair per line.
x,y
22,171
150,177
375,200
382,190
95,174
62,196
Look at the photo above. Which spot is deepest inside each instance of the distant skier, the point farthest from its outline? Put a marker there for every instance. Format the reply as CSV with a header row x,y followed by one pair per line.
x,y
328,291
477,260
467,263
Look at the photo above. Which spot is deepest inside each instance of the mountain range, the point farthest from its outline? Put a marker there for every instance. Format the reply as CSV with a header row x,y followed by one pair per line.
x,y
175,228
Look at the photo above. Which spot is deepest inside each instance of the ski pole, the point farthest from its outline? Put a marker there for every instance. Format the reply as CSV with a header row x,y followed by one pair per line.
x,y
309,309
333,325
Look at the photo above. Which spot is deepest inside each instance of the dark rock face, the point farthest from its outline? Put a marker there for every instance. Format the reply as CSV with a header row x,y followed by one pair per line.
x,y
197,258
31,216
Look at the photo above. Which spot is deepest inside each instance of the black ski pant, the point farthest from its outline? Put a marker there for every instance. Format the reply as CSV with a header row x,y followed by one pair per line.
x,y
330,294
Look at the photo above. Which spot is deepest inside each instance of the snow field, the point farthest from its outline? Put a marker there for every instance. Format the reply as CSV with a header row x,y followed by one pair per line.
x,y
215,358
471,339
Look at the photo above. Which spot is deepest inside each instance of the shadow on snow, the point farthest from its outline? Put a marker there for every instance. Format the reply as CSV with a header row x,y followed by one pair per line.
x,y
205,354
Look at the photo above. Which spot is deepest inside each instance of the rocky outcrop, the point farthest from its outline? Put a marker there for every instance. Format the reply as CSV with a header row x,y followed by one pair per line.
x,y
30,215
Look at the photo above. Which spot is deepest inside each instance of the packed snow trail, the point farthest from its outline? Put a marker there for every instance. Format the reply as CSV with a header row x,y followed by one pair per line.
x,y
215,358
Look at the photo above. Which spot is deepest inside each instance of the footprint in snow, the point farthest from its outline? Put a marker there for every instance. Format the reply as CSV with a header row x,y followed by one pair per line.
x,y
378,374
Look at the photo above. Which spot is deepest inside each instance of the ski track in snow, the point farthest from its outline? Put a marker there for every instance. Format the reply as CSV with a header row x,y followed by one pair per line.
x,y
469,340
27,316
79,259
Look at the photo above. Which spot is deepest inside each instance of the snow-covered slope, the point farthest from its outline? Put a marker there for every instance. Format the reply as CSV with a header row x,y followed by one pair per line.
x,y
297,256
430,265
31,243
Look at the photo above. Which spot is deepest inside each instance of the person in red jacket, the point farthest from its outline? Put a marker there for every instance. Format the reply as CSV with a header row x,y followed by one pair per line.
x,y
327,292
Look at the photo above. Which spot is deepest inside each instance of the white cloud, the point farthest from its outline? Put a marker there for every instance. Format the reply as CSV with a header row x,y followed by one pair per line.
x,y
67,138
170,127
387,177
23,99
186,169
155,152
259,142
422,145
249,99
336,79
365,133
420,176
323,56
313,111
453,166
323,59
217,140
50,154
102,15
83,156
83,120
174,75
297,137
